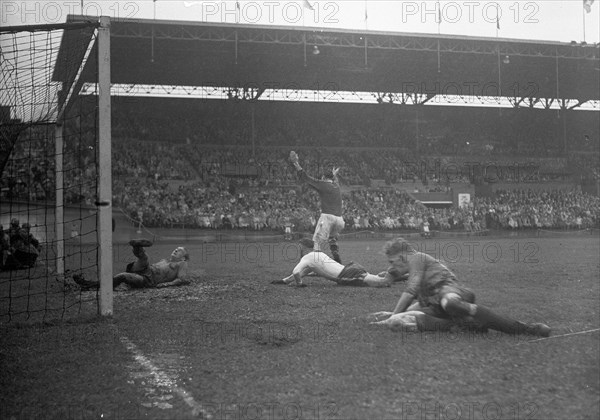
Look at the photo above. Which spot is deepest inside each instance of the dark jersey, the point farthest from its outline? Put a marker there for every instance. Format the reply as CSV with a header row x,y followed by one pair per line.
x,y
427,275
329,194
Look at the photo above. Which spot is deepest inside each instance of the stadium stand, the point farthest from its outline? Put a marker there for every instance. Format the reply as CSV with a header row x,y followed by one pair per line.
x,y
197,173
223,163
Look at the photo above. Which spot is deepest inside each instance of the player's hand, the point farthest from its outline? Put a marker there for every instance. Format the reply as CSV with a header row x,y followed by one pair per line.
x,y
293,157
379,316
335,171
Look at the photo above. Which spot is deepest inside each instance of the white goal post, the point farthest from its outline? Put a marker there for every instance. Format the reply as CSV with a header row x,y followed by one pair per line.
x,y
104,171
44,68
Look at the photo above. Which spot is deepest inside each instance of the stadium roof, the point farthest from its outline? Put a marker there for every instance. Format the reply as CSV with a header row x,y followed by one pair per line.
x,y
200,54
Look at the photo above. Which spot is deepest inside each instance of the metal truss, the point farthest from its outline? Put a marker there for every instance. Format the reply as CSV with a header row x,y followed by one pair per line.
x,y
239,33
263,93
365,42
242,93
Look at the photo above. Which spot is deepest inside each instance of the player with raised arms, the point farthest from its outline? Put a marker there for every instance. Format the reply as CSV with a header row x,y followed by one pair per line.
x,y
441,302
330,223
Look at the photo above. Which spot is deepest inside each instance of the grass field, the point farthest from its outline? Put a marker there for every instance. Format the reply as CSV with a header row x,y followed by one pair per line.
x,y
233,346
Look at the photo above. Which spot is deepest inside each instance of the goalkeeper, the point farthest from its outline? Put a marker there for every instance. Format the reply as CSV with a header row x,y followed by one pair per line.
x,y
330,223
315,261
141,274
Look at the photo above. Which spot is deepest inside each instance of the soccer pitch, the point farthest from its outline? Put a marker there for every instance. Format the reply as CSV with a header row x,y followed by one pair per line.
x,y
233,346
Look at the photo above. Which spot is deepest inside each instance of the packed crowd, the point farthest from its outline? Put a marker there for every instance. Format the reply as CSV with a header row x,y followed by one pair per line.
x,y
515,209
29,173
167,140
586,165
216,205
518,209
150,159
170,172
216,191
235,205
358,166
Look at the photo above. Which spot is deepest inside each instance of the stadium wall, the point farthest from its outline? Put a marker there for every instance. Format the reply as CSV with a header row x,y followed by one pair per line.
x,y
536,186
591,188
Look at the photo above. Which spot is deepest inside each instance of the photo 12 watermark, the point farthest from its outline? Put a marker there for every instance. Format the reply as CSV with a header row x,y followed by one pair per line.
x,y
267,12
454,171
463,332
490,252
442,171
468,410
250,252
15,13
450,251
271,410
470,12
127,411
262,332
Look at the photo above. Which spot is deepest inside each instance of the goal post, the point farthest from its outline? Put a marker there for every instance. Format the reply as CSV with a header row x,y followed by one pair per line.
x,y
104,171
55,166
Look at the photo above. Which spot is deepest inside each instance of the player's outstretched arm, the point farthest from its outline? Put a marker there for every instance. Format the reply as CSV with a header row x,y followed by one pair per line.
x,y
293,157
335,172
404,302
303,175
379,316
174,283
295,160
373,280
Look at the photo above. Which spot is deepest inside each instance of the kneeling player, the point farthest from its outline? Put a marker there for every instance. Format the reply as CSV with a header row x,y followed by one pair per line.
x,y
318,262
441,302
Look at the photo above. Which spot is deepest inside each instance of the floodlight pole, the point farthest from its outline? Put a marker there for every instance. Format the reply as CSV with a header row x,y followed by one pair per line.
x,y
105,267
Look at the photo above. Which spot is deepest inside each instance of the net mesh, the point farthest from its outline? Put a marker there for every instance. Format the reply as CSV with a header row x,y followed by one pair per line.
x,y
48,163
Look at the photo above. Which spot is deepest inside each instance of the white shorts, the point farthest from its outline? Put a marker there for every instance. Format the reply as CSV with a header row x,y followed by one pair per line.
x,y
320,263
328,226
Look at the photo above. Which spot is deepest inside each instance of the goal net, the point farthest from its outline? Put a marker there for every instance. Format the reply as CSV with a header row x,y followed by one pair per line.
x,y
51,158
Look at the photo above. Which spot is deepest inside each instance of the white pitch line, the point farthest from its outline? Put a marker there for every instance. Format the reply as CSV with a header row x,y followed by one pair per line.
x,y
563,335
163,379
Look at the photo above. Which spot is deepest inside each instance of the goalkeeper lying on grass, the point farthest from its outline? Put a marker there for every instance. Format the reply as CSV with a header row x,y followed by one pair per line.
x,y
318,262
140,273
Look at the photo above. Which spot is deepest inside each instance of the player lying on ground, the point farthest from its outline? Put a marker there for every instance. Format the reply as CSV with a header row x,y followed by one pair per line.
x,y
315,261
330,223
164,273
441,302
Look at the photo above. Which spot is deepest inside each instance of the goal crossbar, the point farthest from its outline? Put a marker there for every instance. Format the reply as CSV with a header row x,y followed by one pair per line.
x,y
49,27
